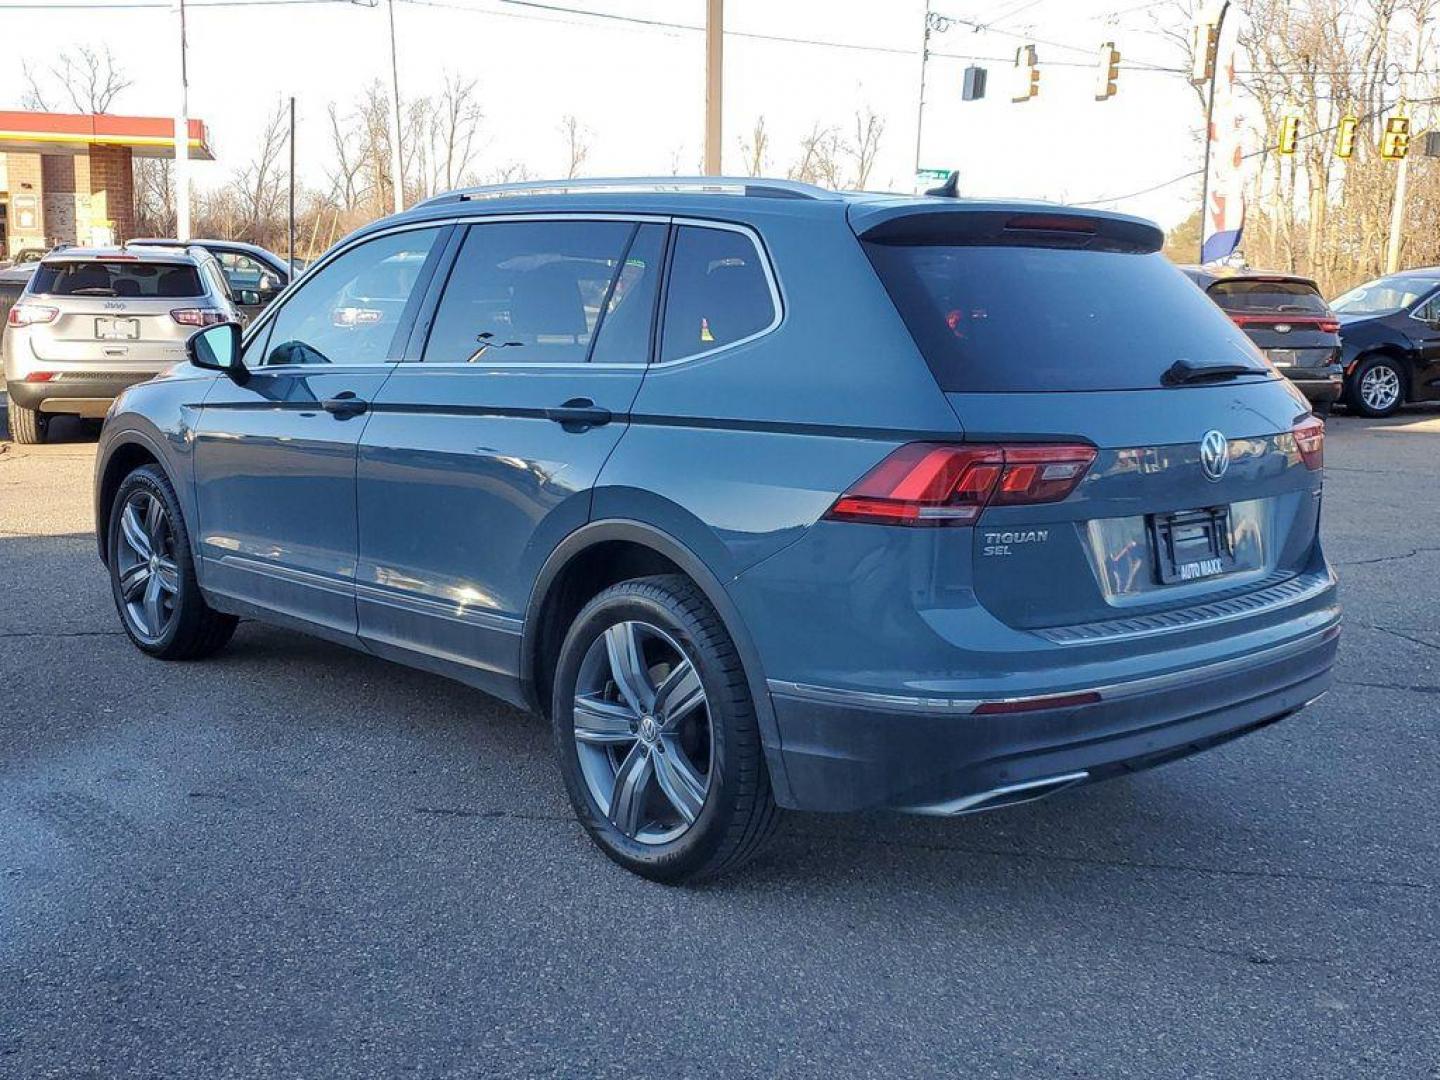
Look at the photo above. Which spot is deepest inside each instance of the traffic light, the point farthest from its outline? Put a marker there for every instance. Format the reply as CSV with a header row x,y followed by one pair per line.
x,y
1345,136
1109,71
1027,74
973,88
1395,143
1432,144
1289,134
1205,41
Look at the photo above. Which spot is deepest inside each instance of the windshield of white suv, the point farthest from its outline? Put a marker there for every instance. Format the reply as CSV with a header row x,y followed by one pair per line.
x,y
121,278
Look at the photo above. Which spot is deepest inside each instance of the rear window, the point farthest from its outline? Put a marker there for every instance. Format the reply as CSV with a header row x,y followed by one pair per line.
x,y
1275,297
162,281
1005,318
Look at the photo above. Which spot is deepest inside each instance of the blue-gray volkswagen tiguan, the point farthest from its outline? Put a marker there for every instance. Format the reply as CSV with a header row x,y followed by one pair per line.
x,y
767,496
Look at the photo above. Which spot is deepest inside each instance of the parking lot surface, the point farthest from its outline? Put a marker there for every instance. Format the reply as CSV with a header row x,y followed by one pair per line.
x,y
298,860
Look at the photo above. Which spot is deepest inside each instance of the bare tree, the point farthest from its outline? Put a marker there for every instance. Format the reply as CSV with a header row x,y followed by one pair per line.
x,y
577,144
88,80
755,148
510,172
259,189
869,128
819,161
454,125
154,197
346,174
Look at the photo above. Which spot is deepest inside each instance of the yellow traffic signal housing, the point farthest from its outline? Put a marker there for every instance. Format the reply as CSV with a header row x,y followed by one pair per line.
x,y
1205,41
1289,134
1109,72
1345,136
1395,143
1027,74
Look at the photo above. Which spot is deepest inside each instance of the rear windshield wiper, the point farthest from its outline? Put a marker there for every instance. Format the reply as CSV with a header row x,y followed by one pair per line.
x,y
1187,371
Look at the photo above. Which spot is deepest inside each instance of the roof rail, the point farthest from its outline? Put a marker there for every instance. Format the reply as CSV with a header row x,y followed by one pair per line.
x,y
660,185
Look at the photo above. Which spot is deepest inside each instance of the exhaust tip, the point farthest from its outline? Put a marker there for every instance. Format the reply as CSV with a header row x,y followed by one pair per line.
x,y
995,798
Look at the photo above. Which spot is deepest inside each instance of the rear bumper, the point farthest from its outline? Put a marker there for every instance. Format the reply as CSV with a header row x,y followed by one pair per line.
x,y
87,396
1319,388
845,750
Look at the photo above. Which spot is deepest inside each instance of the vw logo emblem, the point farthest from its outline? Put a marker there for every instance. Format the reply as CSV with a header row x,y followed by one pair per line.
x,y
1214,454
1282,328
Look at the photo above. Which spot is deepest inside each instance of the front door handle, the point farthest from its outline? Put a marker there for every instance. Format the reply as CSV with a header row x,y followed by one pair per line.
x,y
578,414
344,405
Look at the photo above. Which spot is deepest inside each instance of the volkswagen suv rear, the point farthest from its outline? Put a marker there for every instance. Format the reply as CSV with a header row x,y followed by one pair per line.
x,y
93,321
766,496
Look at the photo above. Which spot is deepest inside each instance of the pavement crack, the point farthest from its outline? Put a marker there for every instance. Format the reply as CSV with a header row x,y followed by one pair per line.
x,y
1402,636
1417,689
1388,558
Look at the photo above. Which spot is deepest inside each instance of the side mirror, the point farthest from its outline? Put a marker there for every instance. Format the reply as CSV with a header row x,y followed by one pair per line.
x,y
217,348
269,284
251,297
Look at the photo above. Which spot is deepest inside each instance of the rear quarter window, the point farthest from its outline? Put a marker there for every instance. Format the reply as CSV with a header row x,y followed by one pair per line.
x,y
1009,318
140,280
719,292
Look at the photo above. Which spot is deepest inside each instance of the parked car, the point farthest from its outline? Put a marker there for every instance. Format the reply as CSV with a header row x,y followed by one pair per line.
x,y
92,321
24,258
255,275
767,496
1287,318
1390,335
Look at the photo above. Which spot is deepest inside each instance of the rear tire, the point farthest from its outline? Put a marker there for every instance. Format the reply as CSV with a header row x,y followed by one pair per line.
x,y
1377,388
27,426
152,574
725,811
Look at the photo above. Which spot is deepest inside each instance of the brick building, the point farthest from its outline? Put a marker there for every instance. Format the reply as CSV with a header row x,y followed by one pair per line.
x,y
68,178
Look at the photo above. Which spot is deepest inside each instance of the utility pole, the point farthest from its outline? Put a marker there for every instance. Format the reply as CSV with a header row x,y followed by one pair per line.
x,y
714,82
920,108
1402,169
182,139
397,173
290,253
1210,126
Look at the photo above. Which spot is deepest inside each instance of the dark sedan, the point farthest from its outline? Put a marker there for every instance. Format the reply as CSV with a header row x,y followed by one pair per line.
x,y
1390,338
1287,318
254,274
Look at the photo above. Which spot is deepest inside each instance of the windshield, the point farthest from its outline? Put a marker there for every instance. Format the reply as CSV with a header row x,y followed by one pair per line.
x,y
1253,295
1387,294
139,280
1003,318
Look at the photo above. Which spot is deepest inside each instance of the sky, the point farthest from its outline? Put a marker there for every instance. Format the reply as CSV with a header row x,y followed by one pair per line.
x,y
638,89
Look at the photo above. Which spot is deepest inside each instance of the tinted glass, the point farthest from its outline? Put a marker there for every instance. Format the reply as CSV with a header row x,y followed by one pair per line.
x,y
718,292
1032,318
528,292
1272,297
1386,294
243,272
350,311
163,281
625,331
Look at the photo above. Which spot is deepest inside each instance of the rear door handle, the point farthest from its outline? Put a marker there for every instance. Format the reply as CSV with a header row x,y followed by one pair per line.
x,y
577,414
344,405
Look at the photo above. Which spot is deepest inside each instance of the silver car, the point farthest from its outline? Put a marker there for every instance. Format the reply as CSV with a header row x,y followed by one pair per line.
x,y
93,321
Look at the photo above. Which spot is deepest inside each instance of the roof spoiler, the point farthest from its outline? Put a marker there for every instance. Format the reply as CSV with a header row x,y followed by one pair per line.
x,y
1012,226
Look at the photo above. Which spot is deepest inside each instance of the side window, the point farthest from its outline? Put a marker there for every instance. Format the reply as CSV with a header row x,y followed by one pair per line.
x,y
625,330
243,272
718,292
350,311
1429,312
218,285
529,292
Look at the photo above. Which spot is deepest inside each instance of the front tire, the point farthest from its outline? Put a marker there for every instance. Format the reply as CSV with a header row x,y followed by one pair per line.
x,y
152,575
1378,387
27,426
657,735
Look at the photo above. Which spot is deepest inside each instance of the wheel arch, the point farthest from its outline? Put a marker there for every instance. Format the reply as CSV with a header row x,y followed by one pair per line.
x,y
128,452
621,545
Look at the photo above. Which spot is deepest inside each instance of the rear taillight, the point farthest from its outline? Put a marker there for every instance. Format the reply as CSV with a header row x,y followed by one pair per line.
x,y
193,316
30,314
943,484
1310,441
40,376
1303,322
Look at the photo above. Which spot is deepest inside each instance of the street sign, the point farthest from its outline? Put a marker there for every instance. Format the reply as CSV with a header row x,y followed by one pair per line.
x,y
932,174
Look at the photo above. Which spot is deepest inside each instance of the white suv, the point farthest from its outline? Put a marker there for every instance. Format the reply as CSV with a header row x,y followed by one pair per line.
x,y
92,321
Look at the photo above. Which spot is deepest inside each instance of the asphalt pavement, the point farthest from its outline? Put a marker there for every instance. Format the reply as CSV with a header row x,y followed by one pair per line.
x,y
296,860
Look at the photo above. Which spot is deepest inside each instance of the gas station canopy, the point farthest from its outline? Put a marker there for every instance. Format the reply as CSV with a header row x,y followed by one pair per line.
x,y
62,133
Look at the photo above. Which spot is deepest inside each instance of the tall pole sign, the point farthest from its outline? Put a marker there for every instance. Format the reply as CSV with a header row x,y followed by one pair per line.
x,y
1222,192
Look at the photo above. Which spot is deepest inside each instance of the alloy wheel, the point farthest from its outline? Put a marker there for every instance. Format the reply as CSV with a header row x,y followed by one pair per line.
x,y
1380,388
643,732
148,577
